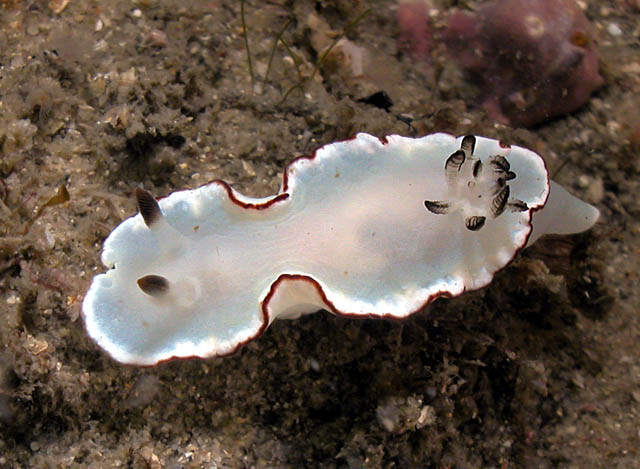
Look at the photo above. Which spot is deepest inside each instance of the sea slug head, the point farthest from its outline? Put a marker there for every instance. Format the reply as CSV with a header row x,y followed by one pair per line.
x,y
151,304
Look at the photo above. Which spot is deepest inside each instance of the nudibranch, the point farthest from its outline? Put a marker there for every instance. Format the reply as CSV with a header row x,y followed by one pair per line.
x,y
367,227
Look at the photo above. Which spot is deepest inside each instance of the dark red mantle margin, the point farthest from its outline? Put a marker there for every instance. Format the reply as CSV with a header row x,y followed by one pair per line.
x,y
283,195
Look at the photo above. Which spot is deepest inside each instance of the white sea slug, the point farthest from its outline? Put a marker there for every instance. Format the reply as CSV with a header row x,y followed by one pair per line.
x,y
367,227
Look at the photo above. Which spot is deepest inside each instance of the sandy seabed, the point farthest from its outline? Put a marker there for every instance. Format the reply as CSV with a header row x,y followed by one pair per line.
x,y
540,369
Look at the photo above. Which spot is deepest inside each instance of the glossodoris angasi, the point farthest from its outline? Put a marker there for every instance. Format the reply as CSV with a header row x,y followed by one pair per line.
x,y
367,227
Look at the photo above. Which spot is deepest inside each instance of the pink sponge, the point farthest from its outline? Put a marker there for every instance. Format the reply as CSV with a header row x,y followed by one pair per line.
x,y
416,32
532,59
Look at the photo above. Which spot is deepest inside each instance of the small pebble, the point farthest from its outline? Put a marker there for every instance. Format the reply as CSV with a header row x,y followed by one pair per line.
x,y
158,38
595,192
584,181
614,29
313,363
